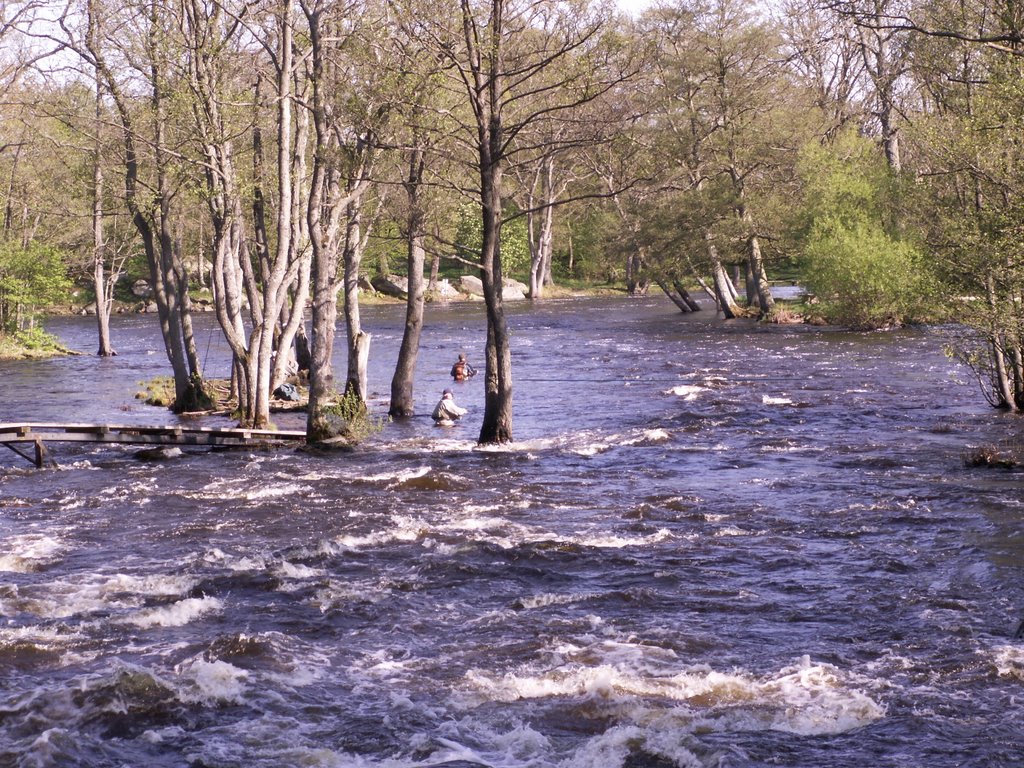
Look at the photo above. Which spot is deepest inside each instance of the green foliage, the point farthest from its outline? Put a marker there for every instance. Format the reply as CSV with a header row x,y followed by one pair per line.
x,y
31,278
515,242
864,270
595,257
862,276
37,340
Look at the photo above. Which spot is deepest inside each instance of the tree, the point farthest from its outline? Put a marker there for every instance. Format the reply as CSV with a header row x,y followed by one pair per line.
x,y
33,276
972,74
420,105
824,54
728,121
103,286
151,211
341,174
861,263
500,55
884,49
261,283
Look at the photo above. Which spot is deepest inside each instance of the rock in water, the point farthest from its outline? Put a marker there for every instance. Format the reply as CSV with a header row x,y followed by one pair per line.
x,y
162,453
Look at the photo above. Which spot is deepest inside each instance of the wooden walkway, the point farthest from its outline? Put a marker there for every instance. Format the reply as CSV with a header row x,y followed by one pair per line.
x,y
11,435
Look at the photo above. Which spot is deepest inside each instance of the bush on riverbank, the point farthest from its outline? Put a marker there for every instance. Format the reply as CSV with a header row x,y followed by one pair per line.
x,y
30,344
860,261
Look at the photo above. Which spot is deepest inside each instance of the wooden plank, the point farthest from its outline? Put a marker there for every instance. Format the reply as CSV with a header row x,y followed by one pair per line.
x,y
18,451
147,435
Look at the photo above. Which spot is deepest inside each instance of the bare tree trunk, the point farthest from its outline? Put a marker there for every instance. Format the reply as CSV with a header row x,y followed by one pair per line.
x,y
545,244
684,294
678,295
402,401
725,292
1002,380
571,267
542,241
103,289
435,270
497,421
765,300
358,339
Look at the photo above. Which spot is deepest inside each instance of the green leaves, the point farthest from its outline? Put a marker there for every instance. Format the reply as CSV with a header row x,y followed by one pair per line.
x,y
515,244
863,269
31,278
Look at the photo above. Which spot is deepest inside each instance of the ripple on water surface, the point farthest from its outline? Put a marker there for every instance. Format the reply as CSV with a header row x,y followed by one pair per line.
x,y
711,544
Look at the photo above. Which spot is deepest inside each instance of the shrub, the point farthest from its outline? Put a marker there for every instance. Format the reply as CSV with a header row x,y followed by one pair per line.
x,y
862,276
858,260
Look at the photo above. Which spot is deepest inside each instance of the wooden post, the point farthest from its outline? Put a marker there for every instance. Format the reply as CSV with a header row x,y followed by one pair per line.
x,y
40,454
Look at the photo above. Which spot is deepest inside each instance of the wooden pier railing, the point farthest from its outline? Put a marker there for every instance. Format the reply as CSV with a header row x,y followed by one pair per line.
x,y
12,435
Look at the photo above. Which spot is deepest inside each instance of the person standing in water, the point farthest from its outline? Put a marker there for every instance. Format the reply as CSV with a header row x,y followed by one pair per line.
x,y
462,370
447,412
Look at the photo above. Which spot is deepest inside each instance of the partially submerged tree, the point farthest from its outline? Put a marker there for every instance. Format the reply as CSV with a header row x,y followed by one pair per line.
x,y
150,197
973,74
502,54
260,284
340,176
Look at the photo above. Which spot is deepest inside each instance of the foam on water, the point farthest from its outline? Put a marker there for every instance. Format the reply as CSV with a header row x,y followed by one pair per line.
x,y
177,614
337,595
806,699
400,476
613,747
547,599
246,563
593,444
288,570
1009,661
29,552
403,529
42,637
688,392
98,593
207,682
243,489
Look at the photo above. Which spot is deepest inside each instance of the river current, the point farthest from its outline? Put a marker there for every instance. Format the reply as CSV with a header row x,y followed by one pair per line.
x,y
712,544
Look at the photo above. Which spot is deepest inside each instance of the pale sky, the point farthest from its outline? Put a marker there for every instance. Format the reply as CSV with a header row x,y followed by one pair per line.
x,y
633,7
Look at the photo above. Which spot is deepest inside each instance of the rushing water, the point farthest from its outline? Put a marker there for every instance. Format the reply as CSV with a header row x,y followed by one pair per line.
x,y
713,544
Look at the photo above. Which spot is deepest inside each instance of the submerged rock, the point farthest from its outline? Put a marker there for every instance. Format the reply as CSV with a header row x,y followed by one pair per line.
x,y
163,453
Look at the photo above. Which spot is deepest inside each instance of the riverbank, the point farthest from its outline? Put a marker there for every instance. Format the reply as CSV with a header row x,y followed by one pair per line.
x,y
13,348
38,345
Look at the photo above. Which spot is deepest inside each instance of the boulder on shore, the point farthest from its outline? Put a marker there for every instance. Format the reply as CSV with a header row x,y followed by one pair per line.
x,y
391,285
444,291
511,290
141,289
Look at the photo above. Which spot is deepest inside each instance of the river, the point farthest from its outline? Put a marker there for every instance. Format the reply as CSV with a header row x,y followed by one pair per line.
x,y
712,544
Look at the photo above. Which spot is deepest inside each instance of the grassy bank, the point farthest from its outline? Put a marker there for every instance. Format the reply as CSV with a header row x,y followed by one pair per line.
x,y
31,345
